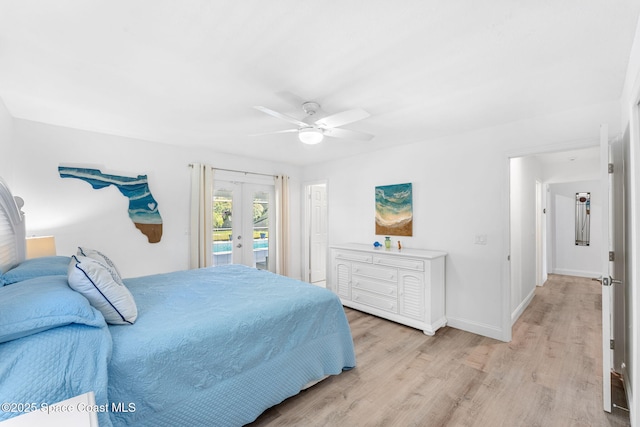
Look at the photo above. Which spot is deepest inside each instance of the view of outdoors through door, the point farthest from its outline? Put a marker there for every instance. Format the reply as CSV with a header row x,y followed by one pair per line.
x,y
241,224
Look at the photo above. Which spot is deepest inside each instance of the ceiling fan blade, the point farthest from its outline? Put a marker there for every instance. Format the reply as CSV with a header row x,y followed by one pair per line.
x,y
347,134
273,133
339,119
280,116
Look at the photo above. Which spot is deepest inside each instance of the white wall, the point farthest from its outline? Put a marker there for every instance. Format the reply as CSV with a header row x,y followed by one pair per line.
x,y
582,169
524,172
6,132
76,214
460,191
569,259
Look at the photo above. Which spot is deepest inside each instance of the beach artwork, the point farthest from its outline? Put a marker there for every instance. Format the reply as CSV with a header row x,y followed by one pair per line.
x,y
394,210
143,208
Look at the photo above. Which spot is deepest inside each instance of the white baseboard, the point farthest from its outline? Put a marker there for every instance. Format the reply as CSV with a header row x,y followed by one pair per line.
x,y
522,307
476,328
578,273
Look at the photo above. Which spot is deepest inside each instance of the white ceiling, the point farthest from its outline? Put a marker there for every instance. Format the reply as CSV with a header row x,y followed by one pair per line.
x,y
189,72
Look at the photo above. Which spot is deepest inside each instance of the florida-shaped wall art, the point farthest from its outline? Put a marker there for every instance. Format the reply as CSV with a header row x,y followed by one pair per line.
x,y
394,210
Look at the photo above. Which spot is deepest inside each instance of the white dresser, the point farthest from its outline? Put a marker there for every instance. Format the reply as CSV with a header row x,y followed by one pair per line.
x,y
405,286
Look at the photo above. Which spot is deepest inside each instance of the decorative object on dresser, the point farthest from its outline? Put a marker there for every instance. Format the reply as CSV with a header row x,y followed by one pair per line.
x,y
405,286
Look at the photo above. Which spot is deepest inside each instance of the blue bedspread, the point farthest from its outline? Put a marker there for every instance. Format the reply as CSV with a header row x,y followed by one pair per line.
x,y
218,346
57,347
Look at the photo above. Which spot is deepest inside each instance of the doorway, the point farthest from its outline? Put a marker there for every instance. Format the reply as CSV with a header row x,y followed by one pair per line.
x,y
316,233
541,274
562,175
242,224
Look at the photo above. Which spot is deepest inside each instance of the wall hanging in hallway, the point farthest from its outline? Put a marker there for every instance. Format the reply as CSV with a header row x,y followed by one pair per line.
x,y
394,210
143,208
583,218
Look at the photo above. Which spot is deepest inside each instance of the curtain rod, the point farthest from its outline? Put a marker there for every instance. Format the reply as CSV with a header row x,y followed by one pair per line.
x,y
239,171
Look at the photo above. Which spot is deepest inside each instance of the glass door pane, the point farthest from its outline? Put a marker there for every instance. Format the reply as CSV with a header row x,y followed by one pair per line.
x,y
223,207
261,229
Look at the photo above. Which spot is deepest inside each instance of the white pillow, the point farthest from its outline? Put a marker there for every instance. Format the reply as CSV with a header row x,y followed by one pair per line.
x,y
105,260
93,279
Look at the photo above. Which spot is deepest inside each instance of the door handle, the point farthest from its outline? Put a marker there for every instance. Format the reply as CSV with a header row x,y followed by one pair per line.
x,y
603,280
239,245
607,281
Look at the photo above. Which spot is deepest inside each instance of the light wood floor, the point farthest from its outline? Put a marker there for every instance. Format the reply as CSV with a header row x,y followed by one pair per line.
x,y
548,375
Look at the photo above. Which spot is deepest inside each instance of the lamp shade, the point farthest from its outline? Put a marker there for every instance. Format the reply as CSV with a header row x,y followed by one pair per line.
x,y
310,135
41,246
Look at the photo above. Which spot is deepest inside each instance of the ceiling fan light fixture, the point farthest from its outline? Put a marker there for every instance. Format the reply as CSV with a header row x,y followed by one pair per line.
x,y
310,136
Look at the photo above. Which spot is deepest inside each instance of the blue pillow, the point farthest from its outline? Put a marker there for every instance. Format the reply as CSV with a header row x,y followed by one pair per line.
x,y
36,267
42,303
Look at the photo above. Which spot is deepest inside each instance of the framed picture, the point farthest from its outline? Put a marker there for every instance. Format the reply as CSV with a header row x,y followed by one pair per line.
x,y
394,210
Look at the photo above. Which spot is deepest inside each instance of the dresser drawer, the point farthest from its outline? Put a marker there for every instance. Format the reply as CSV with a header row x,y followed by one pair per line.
x,y
390,305
389,274
408,263
353,256
389,289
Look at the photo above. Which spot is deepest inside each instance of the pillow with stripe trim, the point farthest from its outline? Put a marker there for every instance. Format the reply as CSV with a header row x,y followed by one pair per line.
x,y
108,294
105,260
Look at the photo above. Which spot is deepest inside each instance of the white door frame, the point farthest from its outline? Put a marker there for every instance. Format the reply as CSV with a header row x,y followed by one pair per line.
x,y
506,271
540,232
244,186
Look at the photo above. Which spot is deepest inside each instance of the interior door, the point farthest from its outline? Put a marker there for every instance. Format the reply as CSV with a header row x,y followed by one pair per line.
x,y
617,179
318,233
606,270
613,275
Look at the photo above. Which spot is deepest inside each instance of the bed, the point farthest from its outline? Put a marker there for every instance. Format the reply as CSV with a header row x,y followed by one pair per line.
x,y
213,347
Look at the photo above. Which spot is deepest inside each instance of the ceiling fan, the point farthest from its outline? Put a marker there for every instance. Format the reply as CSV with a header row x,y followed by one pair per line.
x,y
312,131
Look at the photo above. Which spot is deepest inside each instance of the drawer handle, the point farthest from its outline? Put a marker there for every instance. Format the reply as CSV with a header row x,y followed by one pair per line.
x,y
415,266
352,258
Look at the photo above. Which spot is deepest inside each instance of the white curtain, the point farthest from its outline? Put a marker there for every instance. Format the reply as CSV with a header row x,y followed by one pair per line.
x,y
200,249
282,224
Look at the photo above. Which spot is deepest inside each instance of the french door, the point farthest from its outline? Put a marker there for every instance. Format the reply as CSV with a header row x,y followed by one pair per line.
x,y
243,224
